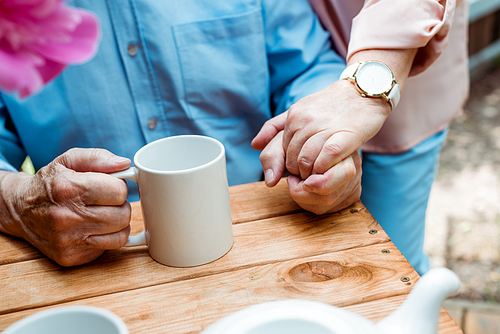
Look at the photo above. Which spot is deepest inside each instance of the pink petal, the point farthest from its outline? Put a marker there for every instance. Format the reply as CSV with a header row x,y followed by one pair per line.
x,y
50,70
43,8
39,38
62,21
81,48
18,74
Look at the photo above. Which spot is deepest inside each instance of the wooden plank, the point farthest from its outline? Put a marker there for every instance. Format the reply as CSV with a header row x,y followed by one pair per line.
x,y
447,325
456,311
481,34
41,282
256,201
14,250
248,202
340,278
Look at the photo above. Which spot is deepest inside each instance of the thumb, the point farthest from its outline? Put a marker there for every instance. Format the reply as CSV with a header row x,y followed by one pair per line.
x,y
269,130
272,159
92,160
338,147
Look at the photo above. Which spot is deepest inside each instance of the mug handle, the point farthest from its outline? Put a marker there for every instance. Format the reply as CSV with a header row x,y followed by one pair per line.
x,y
131,174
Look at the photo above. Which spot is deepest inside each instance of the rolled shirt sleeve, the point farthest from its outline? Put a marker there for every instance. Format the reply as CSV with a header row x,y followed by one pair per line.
x,y
395,24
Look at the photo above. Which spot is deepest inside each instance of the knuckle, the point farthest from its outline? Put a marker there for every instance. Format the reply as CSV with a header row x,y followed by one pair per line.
x,y
62,188
296,113
59,220
94,154
350,170
265,156
332,149
121,192
304,163
332,199
124,215
293,111
327,201
127,211
66,157
65,261
69,258
72,151
45,174
61,243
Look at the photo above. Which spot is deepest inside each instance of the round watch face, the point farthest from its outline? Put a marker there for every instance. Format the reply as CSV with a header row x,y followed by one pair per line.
x,y
374,78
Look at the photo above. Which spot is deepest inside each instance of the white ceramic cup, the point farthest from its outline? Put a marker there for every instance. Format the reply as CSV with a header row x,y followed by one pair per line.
x,y
184,197
70,319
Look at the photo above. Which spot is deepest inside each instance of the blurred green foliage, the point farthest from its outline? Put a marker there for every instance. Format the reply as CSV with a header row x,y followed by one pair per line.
x,y
27,166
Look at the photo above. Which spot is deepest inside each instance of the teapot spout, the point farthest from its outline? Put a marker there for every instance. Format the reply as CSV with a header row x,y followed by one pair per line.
x,y
419,313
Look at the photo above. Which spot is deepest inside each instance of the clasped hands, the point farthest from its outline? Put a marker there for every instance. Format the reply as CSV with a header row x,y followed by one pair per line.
x,y
317,140
73,211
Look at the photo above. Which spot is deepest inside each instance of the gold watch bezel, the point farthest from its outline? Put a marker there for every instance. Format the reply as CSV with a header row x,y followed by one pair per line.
x,y
385,94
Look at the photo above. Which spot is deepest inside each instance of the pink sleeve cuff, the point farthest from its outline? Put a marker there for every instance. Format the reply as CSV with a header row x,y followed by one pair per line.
x,y
408,24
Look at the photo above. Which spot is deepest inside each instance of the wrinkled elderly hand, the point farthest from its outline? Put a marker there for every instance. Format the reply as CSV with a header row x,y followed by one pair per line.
x,y
70,209
336,189
324,128
319,137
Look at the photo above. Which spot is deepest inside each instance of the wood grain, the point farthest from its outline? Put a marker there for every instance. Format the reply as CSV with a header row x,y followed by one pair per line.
x,y
280,252
248,202
256,201
41,282
347,277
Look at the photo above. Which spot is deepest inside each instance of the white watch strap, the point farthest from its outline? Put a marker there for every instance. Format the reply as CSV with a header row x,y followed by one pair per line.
x,y
394,96
349,71
394,93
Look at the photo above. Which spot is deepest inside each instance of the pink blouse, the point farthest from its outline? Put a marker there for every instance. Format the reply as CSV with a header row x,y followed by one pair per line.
x,y
439,82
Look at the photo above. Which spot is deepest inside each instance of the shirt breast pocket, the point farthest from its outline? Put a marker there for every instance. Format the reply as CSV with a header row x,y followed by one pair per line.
x,y
224,65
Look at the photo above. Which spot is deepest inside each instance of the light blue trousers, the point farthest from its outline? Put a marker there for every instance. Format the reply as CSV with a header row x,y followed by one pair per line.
x,y
396,188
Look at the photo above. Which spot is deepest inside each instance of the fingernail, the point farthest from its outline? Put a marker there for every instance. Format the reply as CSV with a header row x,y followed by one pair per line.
x,y
268,176
307,188
117,160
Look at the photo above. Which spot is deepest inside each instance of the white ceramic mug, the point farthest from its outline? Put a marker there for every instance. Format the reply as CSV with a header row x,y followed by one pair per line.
x,y
184,197
70,319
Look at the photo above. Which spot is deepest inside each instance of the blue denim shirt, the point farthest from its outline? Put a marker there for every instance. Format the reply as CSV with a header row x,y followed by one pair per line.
x,y
217,68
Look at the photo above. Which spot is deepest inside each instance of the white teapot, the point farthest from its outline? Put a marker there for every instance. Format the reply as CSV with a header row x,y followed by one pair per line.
x,y
418,314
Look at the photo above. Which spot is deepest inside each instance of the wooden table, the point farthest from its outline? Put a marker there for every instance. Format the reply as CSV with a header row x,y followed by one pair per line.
x,y
280,252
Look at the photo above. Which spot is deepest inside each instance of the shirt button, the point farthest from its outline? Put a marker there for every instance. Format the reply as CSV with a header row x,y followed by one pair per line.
x,y
152,124
132,50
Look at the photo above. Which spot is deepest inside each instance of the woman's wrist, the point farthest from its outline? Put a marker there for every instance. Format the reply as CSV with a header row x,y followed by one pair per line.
x,y
399,61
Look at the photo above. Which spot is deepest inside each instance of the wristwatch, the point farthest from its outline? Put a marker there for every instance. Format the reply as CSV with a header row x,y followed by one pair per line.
x,y
373,79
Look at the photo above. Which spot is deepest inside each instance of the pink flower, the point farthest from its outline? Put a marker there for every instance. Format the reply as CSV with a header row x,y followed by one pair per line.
x,y
39,39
